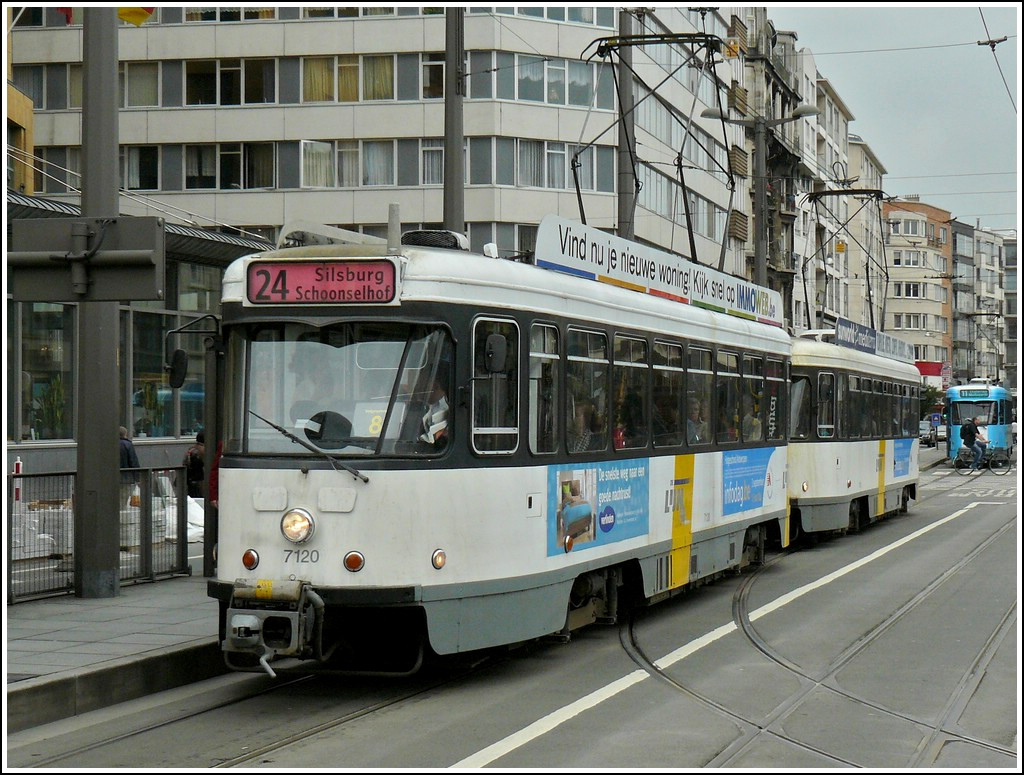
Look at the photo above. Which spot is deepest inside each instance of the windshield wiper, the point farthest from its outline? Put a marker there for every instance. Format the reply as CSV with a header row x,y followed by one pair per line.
x,y
312,448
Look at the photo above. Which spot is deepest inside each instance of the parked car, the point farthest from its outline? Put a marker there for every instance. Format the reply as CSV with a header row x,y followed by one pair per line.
x,y
927,434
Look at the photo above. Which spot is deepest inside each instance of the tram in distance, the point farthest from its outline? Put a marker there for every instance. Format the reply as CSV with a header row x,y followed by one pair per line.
x,y
427,450
979,398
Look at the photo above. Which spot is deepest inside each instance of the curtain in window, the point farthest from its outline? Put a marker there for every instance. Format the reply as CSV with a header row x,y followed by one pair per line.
x,y
200,166
132,168
531,78
531,163
348,163
259,165
581,83
74,86
433,162
378,78
317,166
378,163
556,165
317,79
348,78
141,84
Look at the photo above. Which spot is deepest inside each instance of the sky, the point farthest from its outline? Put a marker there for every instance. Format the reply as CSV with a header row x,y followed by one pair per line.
x,y
926,98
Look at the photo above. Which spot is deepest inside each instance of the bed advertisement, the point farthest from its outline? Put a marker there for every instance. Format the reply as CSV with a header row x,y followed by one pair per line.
x,y
597,504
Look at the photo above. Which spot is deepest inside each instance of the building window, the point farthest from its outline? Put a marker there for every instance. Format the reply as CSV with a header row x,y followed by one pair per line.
x,y
531,163
433,76
348,78
47,362
531,79
379,163
246,165
30,81
318,79
260,77
140,84
201,82
378,77
348,163
140,167
432,151
317,164
201,166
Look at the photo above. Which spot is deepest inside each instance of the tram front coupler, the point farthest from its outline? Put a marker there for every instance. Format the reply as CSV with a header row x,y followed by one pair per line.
x,y
272,618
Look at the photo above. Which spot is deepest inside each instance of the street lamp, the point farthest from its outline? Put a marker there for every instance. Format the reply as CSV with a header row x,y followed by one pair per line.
x,y
760,126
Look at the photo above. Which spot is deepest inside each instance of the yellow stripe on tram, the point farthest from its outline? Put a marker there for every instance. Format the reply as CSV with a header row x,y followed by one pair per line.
x,y
880,504
682,520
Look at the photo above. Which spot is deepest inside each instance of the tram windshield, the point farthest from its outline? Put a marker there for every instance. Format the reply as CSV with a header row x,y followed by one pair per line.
x,y
962,411
354,388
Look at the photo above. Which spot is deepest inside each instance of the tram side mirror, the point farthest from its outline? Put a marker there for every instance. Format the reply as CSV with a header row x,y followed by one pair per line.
x,y
494,354
179,368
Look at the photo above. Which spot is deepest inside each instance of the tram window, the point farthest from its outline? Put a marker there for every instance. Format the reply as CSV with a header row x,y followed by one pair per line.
x,y
841,396
544,389
774,407
878,416
727,419
587,371
629,389
700,380
800,407
826,406
495,388
751,426
668,413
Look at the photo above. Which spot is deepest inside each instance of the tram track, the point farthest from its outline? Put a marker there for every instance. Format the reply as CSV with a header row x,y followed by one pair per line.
x,y
72,756
940,731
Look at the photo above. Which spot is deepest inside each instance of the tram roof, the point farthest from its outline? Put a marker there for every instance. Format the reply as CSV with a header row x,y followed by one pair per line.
x,y
821,354
459,277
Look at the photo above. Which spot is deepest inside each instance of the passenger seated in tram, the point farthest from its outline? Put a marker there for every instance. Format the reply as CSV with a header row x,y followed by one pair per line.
x,y
584,426
751,424
696,425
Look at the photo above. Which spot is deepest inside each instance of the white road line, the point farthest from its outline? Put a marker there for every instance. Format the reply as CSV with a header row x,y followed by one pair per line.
x,y
553,720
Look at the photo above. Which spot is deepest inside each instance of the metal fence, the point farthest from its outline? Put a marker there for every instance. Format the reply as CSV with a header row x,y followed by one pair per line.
x,y
154,532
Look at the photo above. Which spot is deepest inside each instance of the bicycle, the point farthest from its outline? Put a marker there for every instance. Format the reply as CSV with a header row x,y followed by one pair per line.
x,y
996,460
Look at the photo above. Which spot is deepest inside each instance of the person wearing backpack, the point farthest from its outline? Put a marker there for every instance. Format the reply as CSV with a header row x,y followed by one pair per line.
x,y
973,439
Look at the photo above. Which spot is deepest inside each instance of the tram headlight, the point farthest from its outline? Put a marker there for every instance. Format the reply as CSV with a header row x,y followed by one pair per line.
x,y
297,526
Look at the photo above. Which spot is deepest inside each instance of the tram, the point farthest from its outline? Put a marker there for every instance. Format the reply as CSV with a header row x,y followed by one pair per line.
x,y
427,450
979,398
854,442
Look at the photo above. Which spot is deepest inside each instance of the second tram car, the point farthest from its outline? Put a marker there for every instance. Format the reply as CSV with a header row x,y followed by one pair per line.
x,y
427,450
854,442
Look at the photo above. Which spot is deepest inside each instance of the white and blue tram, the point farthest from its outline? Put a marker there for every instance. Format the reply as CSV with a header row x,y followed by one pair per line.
x,y
426,449
853,454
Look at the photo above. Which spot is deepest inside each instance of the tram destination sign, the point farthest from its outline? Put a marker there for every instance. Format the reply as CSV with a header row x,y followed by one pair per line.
x,y
329,281
868,340
575,248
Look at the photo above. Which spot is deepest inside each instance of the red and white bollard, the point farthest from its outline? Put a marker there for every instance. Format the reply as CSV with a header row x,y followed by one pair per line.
x,y
17,484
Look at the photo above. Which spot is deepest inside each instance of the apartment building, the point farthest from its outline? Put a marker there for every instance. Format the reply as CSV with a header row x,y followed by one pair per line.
x,y
919,300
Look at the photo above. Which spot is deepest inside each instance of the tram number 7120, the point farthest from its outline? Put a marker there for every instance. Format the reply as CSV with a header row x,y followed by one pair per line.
x,y
301,555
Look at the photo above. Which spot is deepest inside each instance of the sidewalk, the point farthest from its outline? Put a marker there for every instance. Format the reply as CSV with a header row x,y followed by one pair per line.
x,y
68,655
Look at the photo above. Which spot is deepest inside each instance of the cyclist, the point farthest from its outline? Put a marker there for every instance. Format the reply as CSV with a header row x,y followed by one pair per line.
x,y
974,440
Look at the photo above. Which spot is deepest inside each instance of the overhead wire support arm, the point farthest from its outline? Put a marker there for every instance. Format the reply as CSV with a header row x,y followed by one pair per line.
x,y
607,45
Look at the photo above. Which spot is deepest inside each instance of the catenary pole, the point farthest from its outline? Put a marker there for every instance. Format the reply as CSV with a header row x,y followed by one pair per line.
x,y
97,488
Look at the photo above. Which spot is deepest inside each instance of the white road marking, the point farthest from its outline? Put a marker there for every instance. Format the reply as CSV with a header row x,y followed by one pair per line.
x,y
553,720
